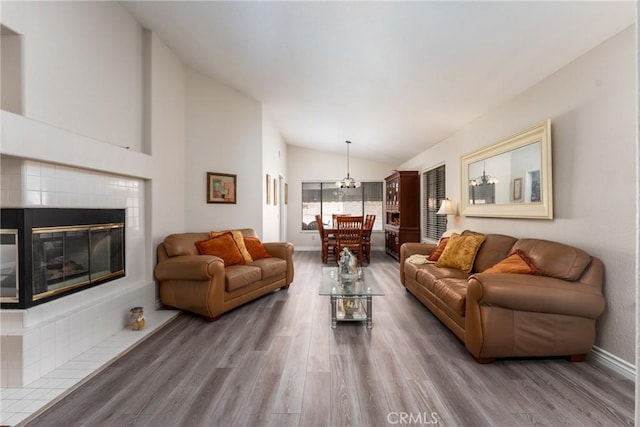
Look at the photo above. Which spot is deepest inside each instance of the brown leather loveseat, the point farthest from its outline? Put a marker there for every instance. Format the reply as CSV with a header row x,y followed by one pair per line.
x,y
500,315
203,285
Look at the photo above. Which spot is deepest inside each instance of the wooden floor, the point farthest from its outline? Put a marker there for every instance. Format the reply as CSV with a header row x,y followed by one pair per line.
x,y
277,362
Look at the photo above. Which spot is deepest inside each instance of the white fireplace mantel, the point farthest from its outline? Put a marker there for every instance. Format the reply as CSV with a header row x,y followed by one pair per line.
x,y
35,140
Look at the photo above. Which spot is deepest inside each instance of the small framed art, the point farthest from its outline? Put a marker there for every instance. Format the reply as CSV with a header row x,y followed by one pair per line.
x,y
286,193
517,190
275,192
268,189
221,187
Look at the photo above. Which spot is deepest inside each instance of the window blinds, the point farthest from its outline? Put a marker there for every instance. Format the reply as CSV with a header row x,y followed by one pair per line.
x,y
433,188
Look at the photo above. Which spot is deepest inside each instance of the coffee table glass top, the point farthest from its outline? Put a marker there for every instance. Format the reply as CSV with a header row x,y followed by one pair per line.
x,y
332,284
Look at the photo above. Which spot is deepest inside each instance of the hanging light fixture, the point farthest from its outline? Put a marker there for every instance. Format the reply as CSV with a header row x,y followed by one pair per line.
x,y
484,179
348,182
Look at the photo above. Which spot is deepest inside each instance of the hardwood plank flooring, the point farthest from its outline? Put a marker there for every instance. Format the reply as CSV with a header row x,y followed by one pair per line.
x,y
277,362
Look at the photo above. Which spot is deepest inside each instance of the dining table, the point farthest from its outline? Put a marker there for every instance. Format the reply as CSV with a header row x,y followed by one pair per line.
x,y
332,233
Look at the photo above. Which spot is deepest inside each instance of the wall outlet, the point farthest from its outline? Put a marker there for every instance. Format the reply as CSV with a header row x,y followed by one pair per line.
x,y
313,237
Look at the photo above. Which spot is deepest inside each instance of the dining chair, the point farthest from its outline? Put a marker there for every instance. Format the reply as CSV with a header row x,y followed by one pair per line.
x,y
349,235
328,242
366,236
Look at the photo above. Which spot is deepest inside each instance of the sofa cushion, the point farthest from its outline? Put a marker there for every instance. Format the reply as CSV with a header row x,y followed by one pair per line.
x,y
453,293
411,269
248,232
427,274
495,248
256,248
239,238
238,276
223,246
555,259
515,263
435,255
183,243
461,252
271,267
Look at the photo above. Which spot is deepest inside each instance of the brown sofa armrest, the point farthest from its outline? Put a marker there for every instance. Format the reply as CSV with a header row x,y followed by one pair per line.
x,y
189,267
282,250
538,294
413,248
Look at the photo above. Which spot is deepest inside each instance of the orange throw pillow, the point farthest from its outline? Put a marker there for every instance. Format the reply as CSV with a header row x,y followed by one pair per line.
x,y
239,238
256,248
441,245
223,246
516,263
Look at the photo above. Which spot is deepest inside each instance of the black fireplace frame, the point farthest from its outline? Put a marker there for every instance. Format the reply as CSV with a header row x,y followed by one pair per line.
x,y
26,219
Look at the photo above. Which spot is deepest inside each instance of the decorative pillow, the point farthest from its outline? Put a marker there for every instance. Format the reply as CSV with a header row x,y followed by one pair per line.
x,y
256,248
239,238
223,246
461,252
517,263
418,259
438,252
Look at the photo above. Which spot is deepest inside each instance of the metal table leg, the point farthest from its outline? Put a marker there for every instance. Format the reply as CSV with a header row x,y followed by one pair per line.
x,y
332,301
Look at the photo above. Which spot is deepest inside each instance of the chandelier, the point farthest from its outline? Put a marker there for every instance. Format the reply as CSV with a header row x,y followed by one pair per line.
x,y
348,182
484,179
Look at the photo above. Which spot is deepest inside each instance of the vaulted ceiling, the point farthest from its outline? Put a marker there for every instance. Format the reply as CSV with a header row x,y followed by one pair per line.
x,y
393,77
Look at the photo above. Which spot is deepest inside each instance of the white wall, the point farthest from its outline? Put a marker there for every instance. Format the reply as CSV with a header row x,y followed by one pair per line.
x,y
167,132
592,107
274,163
224,134
82,67
312,165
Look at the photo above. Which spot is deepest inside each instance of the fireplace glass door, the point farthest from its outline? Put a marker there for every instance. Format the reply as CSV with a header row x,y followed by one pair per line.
x,y
8,265
69,257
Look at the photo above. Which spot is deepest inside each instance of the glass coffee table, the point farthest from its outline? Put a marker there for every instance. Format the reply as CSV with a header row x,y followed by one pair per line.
x,y
350,299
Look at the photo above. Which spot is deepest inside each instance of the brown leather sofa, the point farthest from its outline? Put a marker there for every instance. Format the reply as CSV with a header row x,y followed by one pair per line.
x,y
202,284
500,315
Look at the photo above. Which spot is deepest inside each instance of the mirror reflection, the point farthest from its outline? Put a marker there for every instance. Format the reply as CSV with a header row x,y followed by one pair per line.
x,y
507,178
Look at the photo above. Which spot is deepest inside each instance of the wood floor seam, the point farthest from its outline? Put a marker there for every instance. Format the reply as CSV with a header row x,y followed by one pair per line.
x,y
277,362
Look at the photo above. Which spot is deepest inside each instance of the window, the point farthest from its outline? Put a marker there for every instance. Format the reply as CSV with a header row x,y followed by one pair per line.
x,y
324,198
433,191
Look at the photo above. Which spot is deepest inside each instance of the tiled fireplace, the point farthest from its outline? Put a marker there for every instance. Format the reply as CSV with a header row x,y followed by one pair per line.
x,y
47,253
36,340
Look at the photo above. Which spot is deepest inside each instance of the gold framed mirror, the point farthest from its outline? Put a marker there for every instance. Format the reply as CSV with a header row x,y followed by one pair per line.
x,y
510,179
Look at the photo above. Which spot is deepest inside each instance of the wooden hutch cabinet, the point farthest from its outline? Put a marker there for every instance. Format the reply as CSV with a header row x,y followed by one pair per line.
x,y
402,213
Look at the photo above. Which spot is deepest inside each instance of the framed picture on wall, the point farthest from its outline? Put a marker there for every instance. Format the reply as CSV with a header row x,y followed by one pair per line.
x,y
517,189
275,192
221,187
286,193
268,189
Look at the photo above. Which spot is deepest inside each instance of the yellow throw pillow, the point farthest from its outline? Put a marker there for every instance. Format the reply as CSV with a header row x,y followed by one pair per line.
x,y
461,252
239,238
516,263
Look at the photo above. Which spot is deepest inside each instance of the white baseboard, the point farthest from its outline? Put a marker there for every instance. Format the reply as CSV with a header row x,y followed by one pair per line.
x,y
613,362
